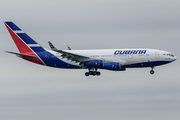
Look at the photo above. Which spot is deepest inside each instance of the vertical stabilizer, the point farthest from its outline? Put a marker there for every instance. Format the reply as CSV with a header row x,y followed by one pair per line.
x,y
24,43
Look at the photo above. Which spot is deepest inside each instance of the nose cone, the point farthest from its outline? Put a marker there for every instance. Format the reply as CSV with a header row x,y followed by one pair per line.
x,y
174,58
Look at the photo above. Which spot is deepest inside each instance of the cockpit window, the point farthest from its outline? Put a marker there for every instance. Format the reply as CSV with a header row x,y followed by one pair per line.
x,y
170,55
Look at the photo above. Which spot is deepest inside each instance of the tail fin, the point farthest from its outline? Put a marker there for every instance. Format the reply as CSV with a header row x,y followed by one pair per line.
x,y
24,43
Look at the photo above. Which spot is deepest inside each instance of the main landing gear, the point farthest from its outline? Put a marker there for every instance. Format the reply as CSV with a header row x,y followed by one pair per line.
x,y
92,72
152,71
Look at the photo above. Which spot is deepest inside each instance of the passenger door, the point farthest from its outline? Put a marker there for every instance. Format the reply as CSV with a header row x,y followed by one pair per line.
x,y
157,55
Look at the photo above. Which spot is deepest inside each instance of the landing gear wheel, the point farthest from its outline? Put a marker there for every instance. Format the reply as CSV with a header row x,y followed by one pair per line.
x,y
98,73
152,72
87,74
94,73
90,72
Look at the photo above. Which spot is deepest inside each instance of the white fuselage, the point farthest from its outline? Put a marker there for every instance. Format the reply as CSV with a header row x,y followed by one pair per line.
x,y
124,57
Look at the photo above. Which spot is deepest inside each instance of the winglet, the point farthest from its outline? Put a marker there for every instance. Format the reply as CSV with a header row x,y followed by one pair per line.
x,y
52,46
68,47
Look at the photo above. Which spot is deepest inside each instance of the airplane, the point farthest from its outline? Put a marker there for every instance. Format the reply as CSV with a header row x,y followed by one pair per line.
x,y
108,59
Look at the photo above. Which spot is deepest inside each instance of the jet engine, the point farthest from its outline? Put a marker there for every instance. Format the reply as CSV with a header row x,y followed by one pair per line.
x,y
94,63
113,66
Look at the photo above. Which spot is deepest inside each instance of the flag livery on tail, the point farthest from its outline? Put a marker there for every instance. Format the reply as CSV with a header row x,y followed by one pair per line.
x,y
27,46
24,43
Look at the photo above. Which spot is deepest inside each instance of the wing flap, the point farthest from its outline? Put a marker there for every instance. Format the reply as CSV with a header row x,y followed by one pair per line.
x,y
64,53
73,56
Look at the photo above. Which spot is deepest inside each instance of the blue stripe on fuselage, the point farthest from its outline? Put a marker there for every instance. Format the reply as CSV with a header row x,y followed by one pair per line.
x,y
52,61
147,64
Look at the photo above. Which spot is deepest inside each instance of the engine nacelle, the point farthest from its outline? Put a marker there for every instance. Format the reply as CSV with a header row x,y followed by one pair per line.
x,y
94,63
114,66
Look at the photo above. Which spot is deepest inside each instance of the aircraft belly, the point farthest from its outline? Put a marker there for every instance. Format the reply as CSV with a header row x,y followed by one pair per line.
x,y
146,64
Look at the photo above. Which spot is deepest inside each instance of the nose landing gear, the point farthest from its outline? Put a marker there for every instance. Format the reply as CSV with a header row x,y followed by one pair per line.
x,y
152,71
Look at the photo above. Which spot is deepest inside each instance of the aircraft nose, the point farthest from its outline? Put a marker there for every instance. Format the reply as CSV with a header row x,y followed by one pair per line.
x,y
175,58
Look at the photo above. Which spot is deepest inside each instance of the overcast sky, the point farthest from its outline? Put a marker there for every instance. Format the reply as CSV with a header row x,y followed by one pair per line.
x,y
32,92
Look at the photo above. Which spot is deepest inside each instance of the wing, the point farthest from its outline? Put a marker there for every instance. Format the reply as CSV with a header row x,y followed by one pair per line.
x,y
73,56
81,58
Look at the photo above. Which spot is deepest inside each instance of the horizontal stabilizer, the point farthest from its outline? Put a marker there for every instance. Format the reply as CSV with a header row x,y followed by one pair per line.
x,y
20,55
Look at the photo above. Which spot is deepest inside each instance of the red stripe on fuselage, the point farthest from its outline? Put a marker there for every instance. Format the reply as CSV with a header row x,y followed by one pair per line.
x,y
23,48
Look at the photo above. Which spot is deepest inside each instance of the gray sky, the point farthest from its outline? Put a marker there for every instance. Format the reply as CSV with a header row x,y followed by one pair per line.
x,y
30,91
